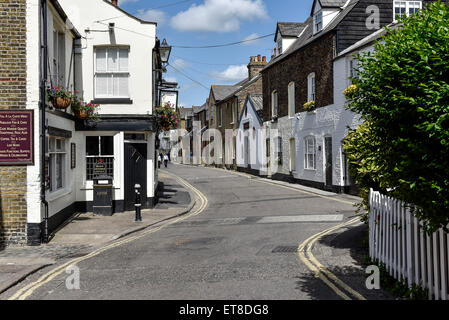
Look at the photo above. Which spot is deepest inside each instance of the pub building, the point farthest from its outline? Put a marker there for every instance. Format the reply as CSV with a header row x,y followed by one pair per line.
x,y
49,164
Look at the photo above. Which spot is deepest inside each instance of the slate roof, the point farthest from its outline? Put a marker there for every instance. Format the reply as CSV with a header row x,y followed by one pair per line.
x,y
332,3
198,109
222,91
289,29
307,36
242,85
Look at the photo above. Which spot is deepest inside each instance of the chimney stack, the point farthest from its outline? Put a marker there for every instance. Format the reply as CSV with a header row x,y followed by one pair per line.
x,y
114,2
256,64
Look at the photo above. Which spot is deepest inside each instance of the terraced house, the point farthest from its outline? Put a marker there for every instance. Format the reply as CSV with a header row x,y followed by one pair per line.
x,y
301,83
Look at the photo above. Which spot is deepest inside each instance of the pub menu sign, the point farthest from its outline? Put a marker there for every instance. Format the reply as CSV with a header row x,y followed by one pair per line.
x,y
16,137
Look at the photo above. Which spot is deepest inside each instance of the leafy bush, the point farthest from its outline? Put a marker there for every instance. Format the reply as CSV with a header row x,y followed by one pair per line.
x,y
403,95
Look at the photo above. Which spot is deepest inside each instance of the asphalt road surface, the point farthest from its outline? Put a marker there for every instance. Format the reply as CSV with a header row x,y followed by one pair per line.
x,y
243,246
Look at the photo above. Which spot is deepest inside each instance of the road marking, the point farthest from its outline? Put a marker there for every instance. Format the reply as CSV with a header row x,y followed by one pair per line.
x,y
306,255
29,289
303,218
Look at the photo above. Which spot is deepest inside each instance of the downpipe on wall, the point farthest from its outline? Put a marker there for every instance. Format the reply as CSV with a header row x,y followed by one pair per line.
x,y
43,119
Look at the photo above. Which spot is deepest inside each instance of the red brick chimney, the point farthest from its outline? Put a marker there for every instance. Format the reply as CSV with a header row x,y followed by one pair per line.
x,y
114,2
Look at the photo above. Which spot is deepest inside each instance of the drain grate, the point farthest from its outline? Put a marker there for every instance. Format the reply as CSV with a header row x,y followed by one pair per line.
x,y
285,249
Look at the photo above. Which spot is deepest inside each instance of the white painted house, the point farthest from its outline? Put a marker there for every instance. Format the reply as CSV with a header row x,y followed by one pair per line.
x,y
110,57
250,137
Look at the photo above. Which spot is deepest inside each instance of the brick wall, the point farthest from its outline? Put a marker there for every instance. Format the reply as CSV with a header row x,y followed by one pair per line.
x,y
317,57
13,210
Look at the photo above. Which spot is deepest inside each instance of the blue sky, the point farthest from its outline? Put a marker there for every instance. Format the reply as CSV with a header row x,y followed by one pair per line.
x,y
210,22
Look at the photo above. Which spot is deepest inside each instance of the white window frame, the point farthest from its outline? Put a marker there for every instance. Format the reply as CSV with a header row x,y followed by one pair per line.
x,y
274,103
308,152
291,99
219,116
292,145
406,5
111,72
352,69
311,87
318,22
233,112
54,155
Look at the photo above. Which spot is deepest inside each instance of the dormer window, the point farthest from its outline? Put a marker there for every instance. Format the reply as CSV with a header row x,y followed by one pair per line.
x,y
318,22
406,8
280,45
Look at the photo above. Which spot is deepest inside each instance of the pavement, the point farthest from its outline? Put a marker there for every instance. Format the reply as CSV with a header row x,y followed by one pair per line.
x,y
85,232
242,245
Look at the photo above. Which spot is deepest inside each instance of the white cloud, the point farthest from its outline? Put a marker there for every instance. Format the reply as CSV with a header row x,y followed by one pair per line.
x,y
219,15
152,15
251,37
180,63
232,73
122,2
171,79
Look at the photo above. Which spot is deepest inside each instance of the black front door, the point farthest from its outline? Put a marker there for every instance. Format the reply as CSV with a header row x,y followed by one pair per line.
x,y
328,151
135,173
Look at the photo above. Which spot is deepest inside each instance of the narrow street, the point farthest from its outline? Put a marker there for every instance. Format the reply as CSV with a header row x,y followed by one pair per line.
x,y
242,246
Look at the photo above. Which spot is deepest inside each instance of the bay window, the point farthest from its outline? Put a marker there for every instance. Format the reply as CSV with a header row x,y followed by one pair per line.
x,y
111,72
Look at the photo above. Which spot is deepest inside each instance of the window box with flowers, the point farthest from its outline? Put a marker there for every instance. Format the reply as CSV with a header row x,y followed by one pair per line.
x,y
309,106
167,118
59,97
84,111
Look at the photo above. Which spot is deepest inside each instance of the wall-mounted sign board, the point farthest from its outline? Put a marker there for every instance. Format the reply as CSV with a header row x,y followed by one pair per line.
x,y
169,96
16,137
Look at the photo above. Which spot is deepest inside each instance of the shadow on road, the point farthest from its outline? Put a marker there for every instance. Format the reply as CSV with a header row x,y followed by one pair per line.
x,y
171,195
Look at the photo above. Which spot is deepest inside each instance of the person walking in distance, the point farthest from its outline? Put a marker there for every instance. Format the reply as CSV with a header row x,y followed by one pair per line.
x,y
159,161
165,160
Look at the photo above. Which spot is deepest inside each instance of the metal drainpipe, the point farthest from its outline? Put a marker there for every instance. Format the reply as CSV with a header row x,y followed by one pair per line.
x,y
43,119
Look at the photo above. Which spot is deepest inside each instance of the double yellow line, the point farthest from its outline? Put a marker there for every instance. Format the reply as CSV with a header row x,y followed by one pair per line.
x,y
28,290
305,249
331,280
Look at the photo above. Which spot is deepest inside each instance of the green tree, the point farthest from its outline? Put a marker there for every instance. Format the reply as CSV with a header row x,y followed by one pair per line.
x,y
403,95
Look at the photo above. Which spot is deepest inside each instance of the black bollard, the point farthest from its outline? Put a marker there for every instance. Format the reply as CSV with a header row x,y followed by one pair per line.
x,y
138,203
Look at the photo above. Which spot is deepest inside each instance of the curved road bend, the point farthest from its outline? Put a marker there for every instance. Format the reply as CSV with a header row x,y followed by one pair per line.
x,y
243,246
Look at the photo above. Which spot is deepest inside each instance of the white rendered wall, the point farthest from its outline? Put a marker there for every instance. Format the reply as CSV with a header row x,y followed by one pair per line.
x,y
138,36
255,139
34,210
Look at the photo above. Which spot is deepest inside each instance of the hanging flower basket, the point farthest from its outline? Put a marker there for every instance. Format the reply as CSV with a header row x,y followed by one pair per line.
x,y
83,110
61,103
81,114
59,97
167,117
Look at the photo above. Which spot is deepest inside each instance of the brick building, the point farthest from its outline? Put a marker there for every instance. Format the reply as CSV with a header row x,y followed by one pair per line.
x,y
308,146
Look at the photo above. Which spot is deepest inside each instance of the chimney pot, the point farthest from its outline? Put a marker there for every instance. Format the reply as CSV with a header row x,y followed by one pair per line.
x,y
264,59
114,2
258,57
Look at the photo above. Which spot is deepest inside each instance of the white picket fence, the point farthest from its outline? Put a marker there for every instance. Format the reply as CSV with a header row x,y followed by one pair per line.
x,y
397,239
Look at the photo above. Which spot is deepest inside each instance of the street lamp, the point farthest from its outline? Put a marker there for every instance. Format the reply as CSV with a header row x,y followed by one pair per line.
x,y
164,51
